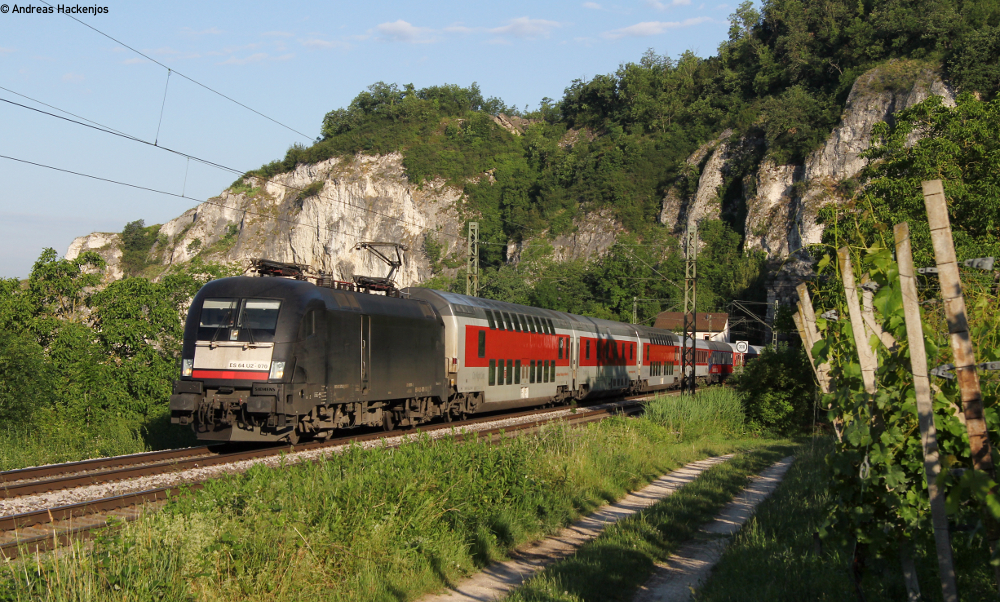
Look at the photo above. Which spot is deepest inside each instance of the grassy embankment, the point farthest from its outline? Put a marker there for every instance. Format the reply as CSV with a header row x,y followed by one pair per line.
x,y
28,445
383,523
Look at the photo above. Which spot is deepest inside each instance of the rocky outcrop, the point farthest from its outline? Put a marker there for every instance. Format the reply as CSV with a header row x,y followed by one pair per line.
x,y
592,235
782,214
315,215
677,212
105,244
318,213
801,190
513,124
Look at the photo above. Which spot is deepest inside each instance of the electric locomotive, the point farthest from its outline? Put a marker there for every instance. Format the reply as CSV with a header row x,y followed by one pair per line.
x,y
281,359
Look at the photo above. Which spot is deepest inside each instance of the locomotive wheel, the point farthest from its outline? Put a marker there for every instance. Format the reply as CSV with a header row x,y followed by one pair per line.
x,y
388,421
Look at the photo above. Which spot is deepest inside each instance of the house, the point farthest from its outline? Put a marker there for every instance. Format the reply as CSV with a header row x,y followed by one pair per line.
x,y
711,326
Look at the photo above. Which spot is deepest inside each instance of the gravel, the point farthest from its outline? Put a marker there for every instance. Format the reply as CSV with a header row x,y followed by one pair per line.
x,y
54,499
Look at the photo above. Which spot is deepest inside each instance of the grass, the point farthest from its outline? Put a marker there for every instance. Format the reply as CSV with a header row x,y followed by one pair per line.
x,y
377,524
53,442
775,556
614,565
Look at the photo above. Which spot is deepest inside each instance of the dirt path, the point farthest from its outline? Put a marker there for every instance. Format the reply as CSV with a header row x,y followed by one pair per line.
x,y
499,578
677,578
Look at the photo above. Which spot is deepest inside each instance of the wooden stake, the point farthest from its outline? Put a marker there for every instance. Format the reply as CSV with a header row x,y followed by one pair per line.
x,y
961,344
868,314
865,355
808,317
925,411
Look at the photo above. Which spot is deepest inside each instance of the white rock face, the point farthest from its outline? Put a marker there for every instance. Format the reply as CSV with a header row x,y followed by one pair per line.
x,y
678,212
364,198
104,244
367,198
781,218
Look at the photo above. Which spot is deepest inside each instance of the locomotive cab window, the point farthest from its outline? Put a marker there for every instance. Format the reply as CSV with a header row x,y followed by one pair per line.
x,y
243,320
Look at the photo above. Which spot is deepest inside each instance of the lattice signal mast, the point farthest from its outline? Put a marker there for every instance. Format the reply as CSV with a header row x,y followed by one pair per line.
x,y
690,305
472,263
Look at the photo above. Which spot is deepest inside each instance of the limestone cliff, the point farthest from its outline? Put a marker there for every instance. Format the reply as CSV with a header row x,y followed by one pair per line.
x,y
316,215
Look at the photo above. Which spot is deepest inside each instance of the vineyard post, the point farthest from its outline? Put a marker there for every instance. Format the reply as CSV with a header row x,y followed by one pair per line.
x,y
865,354
867,358
961,344
807,342
823,370
925,410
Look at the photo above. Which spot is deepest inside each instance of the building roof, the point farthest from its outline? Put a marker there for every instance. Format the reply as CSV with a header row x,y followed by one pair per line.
x,y
707,322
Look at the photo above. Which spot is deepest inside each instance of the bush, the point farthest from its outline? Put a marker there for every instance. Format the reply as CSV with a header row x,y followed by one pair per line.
x,y
778,390
711,411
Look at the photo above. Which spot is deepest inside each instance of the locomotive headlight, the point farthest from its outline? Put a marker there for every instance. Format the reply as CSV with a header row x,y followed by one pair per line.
x,y
187,367
277,371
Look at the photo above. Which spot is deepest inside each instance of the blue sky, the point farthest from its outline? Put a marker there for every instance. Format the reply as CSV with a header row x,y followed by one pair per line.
x,y
291,61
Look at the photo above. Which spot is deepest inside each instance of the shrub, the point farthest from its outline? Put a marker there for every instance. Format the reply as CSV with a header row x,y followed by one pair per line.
x,y
777,390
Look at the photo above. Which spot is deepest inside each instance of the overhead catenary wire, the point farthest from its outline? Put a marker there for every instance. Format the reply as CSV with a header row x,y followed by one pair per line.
x,y
107,130
193,81
180,196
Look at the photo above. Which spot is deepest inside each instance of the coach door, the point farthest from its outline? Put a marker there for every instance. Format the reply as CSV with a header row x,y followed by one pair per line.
x,y
574,358
366,352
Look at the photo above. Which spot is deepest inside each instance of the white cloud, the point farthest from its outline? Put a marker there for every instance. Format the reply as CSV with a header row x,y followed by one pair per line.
x,y
652,28
253,58
5,50
459,28
73,78
523,27
592,5
278,34
665,5
402,31
318,43
134,61
211,31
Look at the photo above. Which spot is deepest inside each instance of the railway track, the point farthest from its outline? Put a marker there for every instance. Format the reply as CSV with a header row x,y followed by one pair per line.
x,y
46,528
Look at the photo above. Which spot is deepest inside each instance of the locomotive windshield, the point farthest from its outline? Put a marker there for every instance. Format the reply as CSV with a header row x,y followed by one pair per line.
x,y
242,320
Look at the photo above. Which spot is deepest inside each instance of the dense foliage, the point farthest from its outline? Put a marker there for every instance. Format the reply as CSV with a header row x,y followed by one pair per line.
x,y
89,359
778,390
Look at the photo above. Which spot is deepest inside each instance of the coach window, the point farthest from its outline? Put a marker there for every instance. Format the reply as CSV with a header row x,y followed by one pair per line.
x,y
489,317
562,345
518,324
482,343
493,372
531,371
631,351
517,372
552,371
510,372
524,322
545,372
